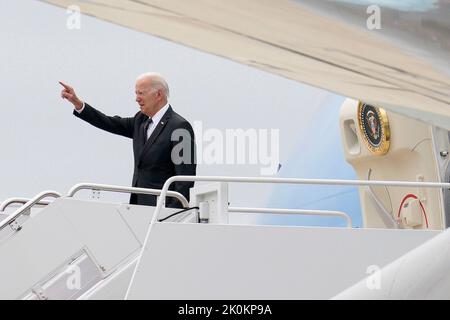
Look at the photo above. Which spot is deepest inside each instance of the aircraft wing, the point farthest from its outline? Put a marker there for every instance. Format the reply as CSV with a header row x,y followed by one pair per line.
x,y
312,42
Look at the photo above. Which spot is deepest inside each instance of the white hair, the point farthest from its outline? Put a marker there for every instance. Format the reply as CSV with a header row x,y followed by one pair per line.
x,y
157,82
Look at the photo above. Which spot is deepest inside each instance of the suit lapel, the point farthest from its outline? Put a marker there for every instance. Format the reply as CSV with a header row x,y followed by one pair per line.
x,y
159,127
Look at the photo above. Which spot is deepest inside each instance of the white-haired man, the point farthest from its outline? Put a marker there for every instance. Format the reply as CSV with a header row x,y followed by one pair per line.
x,y
157,131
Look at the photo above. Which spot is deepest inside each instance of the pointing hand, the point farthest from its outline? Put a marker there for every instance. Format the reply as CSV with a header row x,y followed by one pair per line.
x,y
69,94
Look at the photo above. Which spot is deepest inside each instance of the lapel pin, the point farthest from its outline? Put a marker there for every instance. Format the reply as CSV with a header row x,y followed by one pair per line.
x,y
162,122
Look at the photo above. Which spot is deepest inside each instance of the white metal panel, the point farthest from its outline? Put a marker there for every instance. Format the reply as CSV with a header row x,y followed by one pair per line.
x,y
70,280
44,243
102,229
138,218
3,215
203,261
116,284
113,287
215,194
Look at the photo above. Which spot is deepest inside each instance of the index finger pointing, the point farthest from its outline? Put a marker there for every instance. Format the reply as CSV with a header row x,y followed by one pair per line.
x,y
64,85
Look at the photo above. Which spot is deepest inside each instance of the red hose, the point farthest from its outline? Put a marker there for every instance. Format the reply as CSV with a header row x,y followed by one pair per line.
x,y
409,196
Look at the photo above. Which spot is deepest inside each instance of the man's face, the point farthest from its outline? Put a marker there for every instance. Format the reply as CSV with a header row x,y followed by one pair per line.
x,y
146,97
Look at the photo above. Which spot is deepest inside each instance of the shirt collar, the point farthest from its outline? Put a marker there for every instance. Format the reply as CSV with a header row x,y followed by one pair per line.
x,y
158,116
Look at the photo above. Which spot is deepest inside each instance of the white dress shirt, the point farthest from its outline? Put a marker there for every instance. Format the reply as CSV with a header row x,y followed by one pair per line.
x,y
156,119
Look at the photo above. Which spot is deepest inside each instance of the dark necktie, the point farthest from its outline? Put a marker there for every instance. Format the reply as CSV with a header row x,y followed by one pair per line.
x,y
147,124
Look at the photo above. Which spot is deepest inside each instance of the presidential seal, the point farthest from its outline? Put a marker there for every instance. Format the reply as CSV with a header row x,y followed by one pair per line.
x,y
374,126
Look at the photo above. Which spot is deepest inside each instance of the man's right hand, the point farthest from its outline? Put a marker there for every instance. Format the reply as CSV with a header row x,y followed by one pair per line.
x,y
69,94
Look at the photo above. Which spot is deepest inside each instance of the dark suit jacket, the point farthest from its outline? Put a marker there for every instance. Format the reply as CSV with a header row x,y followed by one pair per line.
x,y
152,159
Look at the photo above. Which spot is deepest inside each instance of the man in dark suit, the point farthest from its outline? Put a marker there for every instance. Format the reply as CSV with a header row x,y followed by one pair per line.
x,y
163,141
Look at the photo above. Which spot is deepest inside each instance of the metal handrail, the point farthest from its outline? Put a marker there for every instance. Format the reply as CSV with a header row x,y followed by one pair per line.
x,y
5,204
293,211
272,180
112,188
290,181
27,206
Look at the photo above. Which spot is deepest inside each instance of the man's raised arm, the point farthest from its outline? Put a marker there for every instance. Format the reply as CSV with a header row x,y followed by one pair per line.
x,y
116,124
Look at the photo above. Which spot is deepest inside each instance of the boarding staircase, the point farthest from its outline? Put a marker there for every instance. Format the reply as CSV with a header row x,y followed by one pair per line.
x,y
84,249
